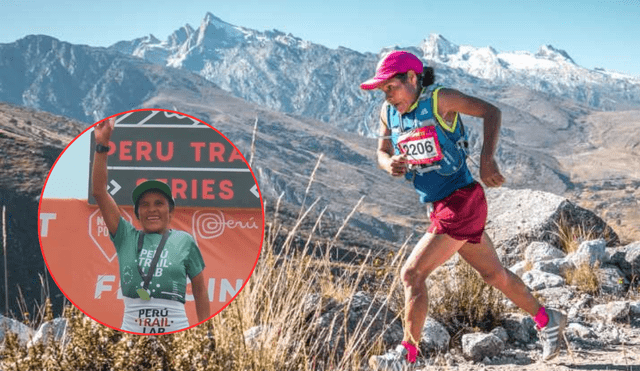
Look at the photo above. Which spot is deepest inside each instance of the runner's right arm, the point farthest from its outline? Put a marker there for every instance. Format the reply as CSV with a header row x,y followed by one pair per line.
x,y
99,178
396,165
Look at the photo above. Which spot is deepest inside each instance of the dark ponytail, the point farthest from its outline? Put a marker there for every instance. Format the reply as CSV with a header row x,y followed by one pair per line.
x,y
428,77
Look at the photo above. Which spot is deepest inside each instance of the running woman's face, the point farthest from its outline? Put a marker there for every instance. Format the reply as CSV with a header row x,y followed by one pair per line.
x,y
400,94
154,213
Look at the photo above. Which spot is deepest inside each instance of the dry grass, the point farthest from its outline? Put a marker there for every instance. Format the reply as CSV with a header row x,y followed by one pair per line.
x,y
585,278
571,236
276,305
528,266
276,301
465,303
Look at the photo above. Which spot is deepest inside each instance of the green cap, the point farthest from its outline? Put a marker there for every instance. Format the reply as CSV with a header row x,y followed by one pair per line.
x,y
155,185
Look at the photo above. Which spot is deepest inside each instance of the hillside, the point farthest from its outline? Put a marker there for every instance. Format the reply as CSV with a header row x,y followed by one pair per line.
x,y
30,142
557,133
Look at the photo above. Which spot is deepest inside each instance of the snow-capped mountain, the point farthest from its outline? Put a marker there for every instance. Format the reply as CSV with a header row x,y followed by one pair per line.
x,y
295,76
272,68
550,70
79,81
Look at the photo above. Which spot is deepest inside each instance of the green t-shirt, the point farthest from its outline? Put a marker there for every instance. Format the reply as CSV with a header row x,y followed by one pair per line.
x,y
179,258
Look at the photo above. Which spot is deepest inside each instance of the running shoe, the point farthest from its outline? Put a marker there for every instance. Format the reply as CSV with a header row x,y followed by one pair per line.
x,y
552,333
393,360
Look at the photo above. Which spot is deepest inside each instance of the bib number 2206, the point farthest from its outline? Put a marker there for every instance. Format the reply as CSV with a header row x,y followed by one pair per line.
x,y
421,146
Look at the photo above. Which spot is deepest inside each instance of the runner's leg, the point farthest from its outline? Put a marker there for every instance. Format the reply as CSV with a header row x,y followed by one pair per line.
x,y
483,258
431,251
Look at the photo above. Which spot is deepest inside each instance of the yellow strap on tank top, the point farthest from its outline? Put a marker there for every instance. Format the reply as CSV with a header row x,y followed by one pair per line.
x,y
443,122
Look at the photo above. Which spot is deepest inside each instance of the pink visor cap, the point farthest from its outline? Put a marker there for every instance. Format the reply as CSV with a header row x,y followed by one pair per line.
x,y
392,64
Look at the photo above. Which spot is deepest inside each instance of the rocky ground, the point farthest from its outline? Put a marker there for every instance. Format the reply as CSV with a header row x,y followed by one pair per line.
x,y
604,328
524,224
592,277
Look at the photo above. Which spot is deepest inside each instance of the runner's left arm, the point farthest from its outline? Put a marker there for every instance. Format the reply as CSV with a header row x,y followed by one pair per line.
x,y
200,296
451,101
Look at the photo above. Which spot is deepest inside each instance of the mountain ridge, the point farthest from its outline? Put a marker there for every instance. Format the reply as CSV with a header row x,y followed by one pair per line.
x,y
240,60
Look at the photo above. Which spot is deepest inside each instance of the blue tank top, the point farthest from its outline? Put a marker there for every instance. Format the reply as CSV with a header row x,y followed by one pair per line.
x,y
437,148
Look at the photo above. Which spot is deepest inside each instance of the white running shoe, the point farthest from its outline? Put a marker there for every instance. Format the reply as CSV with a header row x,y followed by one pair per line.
x,y
552,333
393,360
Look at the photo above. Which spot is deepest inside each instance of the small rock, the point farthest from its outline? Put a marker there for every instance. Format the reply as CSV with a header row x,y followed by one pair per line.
x,y
255,336
580,331
612,280
519,268
478,346
590,252
519,327
435,336
557,297
538,280
558,267
632,258
614,311
501,333
540,251
10,325
57,328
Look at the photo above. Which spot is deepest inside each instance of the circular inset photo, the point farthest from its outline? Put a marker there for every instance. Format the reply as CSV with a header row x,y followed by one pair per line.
x,y
151,221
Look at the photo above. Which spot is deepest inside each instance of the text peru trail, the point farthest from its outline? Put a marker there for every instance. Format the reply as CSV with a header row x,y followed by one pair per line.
x,y
200,165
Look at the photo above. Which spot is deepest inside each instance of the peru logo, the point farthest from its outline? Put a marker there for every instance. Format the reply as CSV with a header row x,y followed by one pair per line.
x,y
211,224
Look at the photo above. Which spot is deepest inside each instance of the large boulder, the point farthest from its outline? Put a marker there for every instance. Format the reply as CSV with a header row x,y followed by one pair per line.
x,y
519,217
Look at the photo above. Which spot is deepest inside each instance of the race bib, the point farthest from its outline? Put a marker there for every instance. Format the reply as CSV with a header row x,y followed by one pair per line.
x,y
153,316
421,146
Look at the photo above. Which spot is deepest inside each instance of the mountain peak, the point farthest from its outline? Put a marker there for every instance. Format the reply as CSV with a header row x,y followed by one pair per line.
x,y
151,39
209,18
215,33
437,47
180,35
549,52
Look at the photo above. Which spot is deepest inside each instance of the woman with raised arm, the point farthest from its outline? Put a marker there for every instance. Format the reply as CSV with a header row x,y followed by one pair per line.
x,y
155,261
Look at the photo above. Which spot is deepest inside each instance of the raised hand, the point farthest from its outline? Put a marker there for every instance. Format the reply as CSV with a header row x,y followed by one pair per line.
x,y
103,131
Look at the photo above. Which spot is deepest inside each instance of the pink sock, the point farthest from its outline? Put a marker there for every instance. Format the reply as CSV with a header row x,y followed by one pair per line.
x,y
541,318
412,351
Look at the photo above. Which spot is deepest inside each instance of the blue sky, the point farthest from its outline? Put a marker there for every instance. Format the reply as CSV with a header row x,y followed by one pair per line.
x,y
70,177
594,33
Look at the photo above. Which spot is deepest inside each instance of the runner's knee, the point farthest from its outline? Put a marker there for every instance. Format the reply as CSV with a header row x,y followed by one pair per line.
x,y
412,276
498,278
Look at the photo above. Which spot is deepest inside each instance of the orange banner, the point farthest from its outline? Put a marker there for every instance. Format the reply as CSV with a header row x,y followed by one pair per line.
x,y
82,259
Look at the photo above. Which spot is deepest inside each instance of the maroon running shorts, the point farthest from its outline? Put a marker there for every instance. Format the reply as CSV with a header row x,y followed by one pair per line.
x,y
461,215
